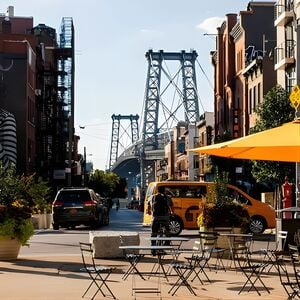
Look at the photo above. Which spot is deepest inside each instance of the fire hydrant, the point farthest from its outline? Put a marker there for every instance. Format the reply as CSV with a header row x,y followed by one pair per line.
x,y
286,189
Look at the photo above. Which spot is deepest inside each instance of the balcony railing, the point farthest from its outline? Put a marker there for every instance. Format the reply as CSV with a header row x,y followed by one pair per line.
x,y
284,14
285,50
282,8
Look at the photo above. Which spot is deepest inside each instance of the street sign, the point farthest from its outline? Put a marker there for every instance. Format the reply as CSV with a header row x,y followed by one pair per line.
x,y
295,97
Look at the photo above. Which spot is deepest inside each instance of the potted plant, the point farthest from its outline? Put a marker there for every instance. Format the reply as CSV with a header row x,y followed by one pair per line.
x,y
15,211
219,209
41,210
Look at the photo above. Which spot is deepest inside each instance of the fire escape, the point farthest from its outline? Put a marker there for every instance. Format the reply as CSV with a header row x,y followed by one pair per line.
x,y
55,110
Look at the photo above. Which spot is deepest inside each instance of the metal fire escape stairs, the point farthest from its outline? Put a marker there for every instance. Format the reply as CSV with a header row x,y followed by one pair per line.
x,y
65,82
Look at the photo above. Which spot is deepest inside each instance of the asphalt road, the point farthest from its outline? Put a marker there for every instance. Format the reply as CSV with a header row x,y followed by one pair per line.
x,y
64,241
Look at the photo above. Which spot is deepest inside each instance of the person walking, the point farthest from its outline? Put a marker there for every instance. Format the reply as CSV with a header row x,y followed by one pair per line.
x,y
117,204
160,208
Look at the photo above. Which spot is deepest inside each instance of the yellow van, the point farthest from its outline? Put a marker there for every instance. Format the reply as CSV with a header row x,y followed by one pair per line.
x,y
186,197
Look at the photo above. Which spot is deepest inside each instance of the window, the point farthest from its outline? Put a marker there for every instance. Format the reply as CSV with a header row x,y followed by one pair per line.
x,y
258,93
254,99
238,197
185,191
290,79
196,161
250,102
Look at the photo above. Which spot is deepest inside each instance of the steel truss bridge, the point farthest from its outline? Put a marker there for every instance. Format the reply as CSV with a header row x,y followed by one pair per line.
x,y
168,92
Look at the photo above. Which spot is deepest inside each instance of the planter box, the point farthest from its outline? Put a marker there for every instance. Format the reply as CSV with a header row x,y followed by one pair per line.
x,y
106,243
9,248
41,221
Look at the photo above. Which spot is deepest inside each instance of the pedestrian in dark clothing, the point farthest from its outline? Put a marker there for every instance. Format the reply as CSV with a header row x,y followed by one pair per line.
x,y
160,208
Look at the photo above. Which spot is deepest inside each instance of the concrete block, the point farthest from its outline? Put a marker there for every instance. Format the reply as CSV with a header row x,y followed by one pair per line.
x,y
106,243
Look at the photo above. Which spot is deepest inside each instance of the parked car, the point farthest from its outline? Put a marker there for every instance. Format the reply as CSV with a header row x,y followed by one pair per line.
x,y
78,206
133,204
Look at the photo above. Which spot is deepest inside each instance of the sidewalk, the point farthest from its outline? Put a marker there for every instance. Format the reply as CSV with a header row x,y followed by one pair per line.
x,y
59,278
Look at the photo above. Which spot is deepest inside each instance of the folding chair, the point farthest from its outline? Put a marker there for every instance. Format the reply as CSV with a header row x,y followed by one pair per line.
x,y
294,254
251,270
133,259
210,245
200,259
280,246
287,280
184,271
297,237
98,274
262,253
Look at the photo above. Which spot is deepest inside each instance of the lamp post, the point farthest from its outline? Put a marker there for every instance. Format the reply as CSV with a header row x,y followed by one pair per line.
x,y
84,165
297,109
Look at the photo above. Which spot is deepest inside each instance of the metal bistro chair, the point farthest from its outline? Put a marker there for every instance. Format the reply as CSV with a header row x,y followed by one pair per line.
x,y
184,271
287,280
200,259
250,269
98,274
133,259
294,254
210,244
280,245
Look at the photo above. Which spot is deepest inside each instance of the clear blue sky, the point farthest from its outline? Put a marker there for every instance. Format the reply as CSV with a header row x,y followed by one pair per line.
x,y
111,39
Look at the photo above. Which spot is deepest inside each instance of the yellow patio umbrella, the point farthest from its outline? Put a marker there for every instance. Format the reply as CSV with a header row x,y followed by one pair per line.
x,y
278,144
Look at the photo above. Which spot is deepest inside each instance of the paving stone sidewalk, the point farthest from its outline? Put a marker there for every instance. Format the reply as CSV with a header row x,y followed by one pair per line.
x,y
59,277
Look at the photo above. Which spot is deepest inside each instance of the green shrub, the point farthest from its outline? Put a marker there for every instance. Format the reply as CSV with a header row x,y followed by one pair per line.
x,y
22,229
17,198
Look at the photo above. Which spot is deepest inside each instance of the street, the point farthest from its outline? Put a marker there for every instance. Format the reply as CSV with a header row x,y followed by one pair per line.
x,y
65,242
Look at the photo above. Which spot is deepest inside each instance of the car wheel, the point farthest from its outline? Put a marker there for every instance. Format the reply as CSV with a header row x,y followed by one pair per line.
x,y
55,226
175,225
98,222
257,225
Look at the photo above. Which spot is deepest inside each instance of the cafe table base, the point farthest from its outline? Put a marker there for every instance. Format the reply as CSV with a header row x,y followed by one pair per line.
x,y
146,289
134,271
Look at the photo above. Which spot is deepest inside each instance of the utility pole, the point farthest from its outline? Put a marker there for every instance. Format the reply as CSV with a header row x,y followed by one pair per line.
x,y
84,166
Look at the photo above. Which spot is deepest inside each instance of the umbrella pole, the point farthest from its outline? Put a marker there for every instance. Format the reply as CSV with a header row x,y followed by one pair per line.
x,y
297,184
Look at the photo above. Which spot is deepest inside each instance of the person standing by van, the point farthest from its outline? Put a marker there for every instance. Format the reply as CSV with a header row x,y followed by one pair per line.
x,y
160,207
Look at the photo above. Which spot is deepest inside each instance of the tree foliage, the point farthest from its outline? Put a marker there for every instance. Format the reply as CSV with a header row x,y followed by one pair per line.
x,y
274,111
107,184
30,189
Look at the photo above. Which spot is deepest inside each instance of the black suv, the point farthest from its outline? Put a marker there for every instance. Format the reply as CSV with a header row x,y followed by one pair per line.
x,y
78,206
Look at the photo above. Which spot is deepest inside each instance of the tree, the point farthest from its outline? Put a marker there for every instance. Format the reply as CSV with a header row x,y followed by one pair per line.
x,y
105,183
274,111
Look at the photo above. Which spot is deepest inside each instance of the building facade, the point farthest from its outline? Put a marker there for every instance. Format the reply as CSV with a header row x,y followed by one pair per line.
x,y
37,87
240,42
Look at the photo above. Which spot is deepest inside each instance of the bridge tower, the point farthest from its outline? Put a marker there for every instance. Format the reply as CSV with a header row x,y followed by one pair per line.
x,y
157,127
119,131
153,95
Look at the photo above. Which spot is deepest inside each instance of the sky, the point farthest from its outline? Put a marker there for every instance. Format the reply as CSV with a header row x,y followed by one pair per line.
x,y
111,39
